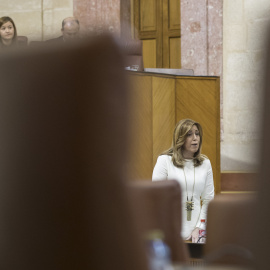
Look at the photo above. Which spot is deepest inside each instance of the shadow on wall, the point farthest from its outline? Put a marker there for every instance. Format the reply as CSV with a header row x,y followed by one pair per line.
x,y
230,164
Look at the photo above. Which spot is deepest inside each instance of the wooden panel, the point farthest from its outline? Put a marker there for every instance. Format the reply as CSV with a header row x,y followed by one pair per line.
x,y
171,29
198,98
148,26
163,114
174,14
175,53
239,181
149,53
165,36
159,20
148,15
141,146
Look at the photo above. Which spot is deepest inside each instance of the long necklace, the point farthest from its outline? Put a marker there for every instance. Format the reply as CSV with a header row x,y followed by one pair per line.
x,y
189,203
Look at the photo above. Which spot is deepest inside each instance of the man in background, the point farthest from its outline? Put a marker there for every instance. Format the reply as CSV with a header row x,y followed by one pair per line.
x,y
70,31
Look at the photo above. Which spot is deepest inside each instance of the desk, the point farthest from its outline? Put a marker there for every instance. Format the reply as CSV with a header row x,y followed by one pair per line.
x,y
196,260
213,267
195,250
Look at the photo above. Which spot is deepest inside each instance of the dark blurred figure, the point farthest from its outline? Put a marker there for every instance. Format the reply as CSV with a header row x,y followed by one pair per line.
x,y
261,217
8,33
70,31
63,202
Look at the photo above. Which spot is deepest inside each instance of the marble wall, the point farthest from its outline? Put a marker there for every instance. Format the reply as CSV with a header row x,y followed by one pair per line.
x,y
98,16
201,36
37,19
201,40
245,26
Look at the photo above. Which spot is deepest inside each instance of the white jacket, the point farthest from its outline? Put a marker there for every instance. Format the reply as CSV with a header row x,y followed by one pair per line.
x,y
203,188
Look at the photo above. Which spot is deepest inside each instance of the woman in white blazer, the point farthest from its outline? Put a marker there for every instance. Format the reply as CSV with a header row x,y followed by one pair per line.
x,y
185,163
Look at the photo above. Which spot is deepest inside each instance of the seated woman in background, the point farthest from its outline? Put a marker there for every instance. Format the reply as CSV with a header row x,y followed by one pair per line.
x,y
8,33
185,163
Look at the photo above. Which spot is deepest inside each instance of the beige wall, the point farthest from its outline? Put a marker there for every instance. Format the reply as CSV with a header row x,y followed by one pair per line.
x,y
54,11
37,19
244,30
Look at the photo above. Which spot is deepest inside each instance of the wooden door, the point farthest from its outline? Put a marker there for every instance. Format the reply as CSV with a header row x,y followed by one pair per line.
x,y
157,24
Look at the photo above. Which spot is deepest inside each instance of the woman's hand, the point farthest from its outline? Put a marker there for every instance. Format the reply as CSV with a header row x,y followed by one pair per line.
x,y
194,235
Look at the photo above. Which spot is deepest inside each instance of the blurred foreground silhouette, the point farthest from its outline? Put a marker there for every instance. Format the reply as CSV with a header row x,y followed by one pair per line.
x,y
63,141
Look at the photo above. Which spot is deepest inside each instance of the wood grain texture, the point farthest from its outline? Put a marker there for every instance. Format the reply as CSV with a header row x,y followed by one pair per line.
x,y
141,147
174,14
239,181
175,54
159,21
198,98
163,90
171,29
148,15
149,53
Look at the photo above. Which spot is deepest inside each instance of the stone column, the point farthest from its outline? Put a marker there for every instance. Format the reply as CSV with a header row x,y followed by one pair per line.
x,y
194,36
201,36
201,40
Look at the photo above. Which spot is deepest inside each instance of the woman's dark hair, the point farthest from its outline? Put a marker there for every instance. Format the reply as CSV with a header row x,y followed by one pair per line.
x,y
4,20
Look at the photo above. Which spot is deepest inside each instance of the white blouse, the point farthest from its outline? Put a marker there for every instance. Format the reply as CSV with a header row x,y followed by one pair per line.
x,y
203,188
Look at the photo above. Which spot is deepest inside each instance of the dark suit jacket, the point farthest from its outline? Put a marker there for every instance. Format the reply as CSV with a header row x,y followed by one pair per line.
x,y
56,40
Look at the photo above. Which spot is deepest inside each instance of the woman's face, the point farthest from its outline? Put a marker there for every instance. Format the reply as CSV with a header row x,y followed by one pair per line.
x,y
7,31
192,143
